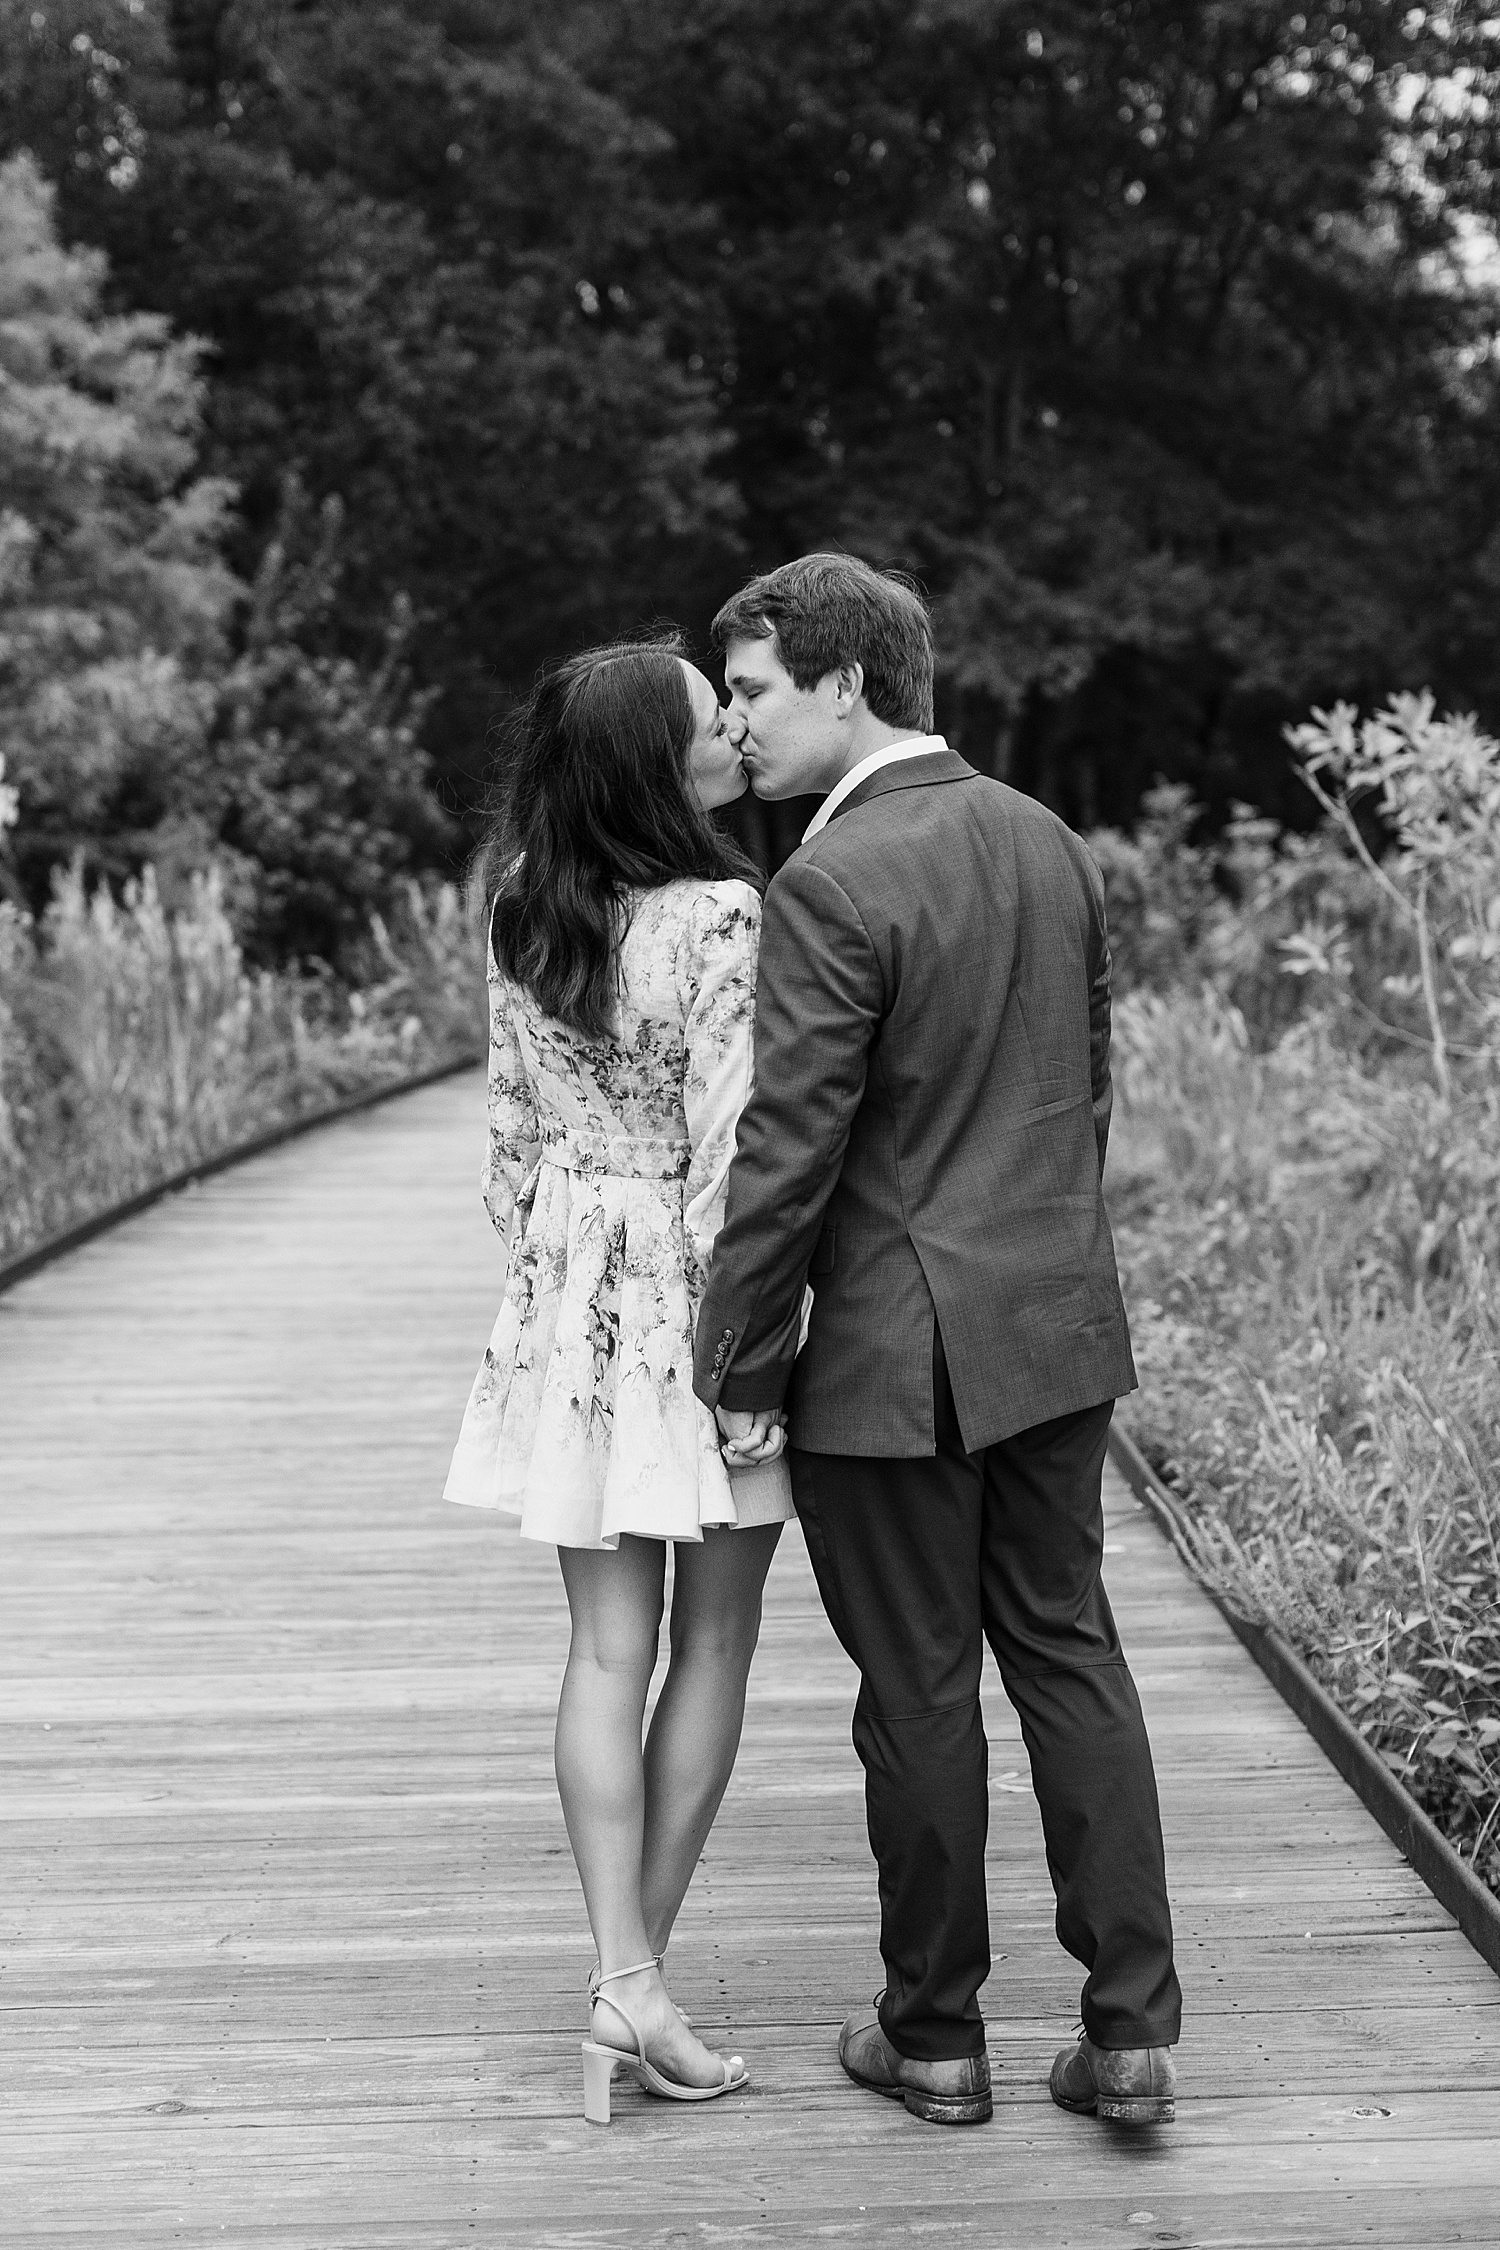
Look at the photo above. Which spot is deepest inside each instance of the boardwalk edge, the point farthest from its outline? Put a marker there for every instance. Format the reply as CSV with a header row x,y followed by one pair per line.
x,y
204,1168
1453,1884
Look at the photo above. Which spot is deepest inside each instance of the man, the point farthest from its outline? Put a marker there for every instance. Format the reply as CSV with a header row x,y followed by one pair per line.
x,y
924,1146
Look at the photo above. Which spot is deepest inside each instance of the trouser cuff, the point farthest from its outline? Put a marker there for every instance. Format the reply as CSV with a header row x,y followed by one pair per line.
x,y
932,2039
1113,2033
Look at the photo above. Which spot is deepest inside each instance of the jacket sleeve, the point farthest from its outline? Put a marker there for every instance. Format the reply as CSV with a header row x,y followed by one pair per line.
x,y
513,1145
1100,969
819,1003
719,1070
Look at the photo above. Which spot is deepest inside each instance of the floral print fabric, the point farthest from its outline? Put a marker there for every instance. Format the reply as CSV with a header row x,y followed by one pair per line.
x,y
605,1173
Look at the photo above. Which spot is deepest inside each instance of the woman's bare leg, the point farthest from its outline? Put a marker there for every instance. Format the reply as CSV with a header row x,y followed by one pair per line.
x,y
695,1728
616,1605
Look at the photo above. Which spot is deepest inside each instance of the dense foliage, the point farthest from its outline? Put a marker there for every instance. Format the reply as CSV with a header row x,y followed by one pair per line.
x,y
1139,331
1155,337
1306,1187
152,705
114,597
382,225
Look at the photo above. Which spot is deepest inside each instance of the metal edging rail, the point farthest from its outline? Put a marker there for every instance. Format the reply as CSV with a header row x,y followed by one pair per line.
x,y
239,1152
1452,1883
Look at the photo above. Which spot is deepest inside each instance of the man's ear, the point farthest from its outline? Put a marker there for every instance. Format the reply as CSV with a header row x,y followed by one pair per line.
x,y
849,686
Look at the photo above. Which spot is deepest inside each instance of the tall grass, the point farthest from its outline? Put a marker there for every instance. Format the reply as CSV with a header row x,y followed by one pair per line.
x,y
1305,1182
133,1042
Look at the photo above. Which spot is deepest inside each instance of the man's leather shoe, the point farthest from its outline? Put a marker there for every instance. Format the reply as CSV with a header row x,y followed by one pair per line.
x,y
945,2093
1128,2085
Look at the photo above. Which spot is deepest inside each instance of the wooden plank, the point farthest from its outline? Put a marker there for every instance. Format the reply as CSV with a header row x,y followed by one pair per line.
x,y
291,1948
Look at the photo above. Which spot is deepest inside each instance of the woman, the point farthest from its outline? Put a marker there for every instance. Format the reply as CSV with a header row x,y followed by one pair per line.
x,y
623,935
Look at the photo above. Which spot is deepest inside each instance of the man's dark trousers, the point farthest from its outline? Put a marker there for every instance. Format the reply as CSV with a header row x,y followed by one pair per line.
x,y
918,1562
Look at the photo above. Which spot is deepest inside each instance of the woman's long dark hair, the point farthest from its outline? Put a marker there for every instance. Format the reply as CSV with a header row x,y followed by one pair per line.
x,y
594,801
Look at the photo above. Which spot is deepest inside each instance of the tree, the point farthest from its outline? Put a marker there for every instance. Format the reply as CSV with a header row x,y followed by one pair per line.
x,y
1143,333
154,707
114,598
1156,338
386,219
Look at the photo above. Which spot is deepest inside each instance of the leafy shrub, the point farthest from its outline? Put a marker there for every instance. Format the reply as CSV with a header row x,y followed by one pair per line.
x,y
1166,908
313,788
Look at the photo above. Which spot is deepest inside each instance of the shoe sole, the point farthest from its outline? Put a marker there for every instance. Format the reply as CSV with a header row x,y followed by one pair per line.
x,y
934,2109
1115,2109
1153,2109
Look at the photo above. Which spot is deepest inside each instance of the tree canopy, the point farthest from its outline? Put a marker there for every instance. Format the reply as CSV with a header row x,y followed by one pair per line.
x,y
1156,338
1142,333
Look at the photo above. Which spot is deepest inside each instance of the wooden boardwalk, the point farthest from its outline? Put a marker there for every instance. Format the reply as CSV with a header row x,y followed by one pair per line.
x,y
291,1947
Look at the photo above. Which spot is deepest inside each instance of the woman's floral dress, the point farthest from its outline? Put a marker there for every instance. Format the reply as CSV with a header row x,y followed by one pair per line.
x,y
606,1174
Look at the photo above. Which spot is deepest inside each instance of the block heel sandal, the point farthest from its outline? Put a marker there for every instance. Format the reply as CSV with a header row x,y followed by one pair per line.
x,y
601,2061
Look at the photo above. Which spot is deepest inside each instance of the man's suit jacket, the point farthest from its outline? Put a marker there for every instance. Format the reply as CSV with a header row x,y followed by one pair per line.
x,y
927,1130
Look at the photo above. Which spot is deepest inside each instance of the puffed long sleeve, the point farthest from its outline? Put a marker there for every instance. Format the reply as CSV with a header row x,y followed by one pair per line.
x,y
717,965
514,1139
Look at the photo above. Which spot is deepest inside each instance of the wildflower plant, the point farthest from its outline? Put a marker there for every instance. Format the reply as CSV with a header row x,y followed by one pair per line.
x,y
1305,1180
1433,786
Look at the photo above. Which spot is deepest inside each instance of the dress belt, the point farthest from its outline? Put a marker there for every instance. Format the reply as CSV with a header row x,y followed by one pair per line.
x,y
620,1155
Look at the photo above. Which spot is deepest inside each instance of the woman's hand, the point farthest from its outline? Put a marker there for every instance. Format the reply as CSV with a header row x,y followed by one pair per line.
x,y
747,1439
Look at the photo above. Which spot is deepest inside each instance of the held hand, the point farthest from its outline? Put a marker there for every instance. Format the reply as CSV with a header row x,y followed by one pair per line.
x,y
747,1439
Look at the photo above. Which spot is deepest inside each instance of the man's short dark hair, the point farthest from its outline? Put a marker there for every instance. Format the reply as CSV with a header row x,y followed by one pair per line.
x,y
827,610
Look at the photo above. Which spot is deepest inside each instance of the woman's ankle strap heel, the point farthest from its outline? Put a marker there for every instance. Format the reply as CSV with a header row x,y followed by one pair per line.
x,y
600,2062
598,2070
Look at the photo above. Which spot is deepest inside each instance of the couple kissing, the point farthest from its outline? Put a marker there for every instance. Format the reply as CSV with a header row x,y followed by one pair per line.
x,y
801,1194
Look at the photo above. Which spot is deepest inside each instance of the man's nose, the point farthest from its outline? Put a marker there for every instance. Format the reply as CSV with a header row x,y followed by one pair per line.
x,y
737,728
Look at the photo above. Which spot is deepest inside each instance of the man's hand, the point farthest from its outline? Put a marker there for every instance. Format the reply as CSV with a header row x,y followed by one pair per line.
x,y
745,1439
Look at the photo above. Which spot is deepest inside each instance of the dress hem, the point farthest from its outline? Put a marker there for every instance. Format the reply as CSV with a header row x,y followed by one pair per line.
x,y
594,1546
514,1511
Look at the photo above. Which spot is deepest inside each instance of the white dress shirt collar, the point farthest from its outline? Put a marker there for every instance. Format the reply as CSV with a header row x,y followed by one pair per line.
x,y
916,746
